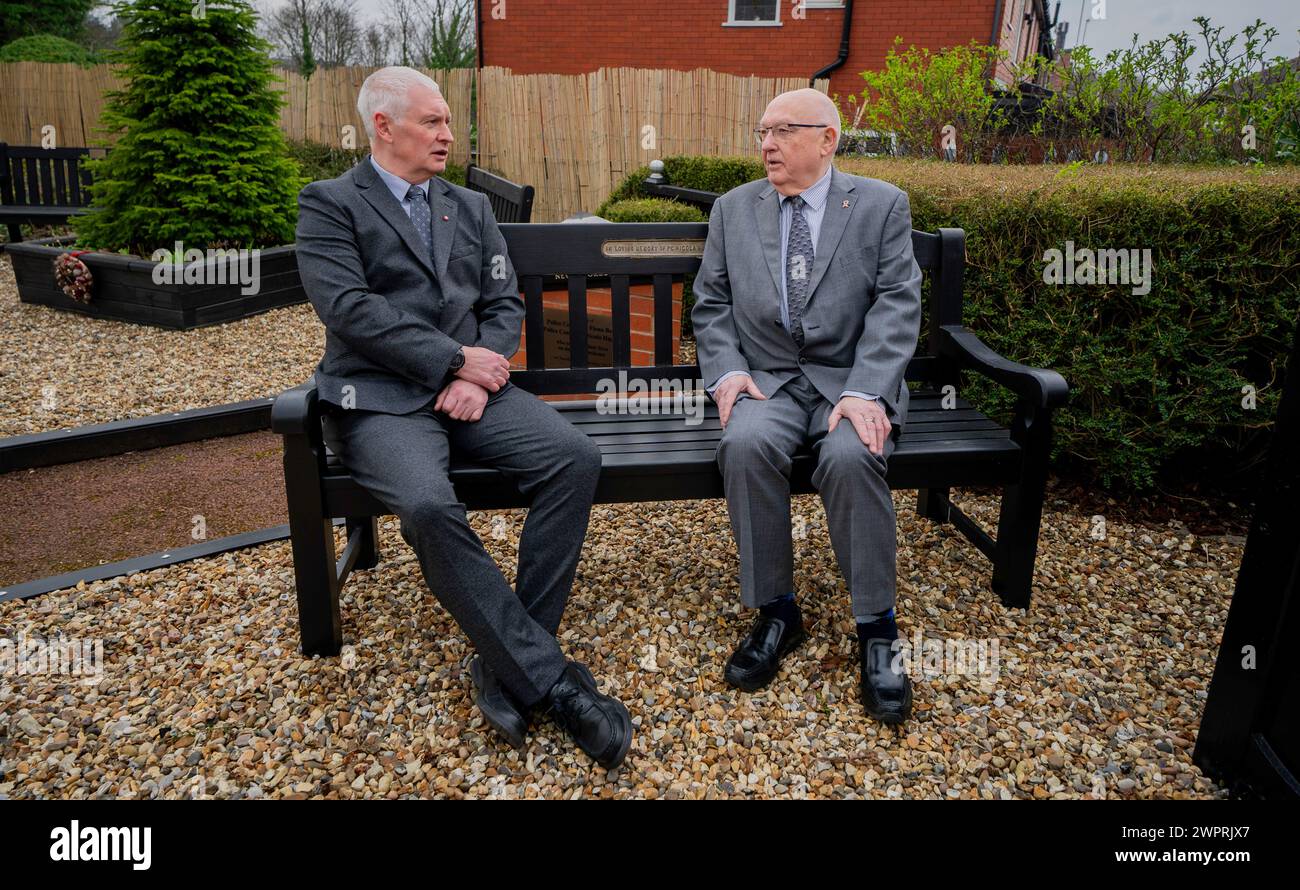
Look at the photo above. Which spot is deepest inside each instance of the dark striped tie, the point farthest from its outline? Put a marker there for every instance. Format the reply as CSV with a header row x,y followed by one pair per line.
x,y
421,218
798,266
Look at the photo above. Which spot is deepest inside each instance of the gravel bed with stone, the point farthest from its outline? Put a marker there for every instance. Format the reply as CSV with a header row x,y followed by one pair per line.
x,y
60,370
1095,691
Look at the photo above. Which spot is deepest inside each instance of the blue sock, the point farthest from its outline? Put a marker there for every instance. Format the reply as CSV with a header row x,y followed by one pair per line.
x,y
783,607
878,626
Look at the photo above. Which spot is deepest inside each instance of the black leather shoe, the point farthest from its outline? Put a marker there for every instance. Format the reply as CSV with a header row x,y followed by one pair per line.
x,y
599,724
886,693
758,657
498,706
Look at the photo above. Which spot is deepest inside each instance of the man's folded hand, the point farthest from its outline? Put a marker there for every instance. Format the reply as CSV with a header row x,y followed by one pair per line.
x,y
462,400
484,367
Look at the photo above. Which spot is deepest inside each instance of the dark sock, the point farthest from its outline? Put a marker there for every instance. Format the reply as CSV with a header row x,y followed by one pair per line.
x,y
783,607
878,627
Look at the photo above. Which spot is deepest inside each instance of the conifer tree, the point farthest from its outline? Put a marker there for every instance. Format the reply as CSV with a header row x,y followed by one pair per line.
x,y
199,156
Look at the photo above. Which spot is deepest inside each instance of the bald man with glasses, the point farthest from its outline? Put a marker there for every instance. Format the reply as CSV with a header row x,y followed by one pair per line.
x,y
807,311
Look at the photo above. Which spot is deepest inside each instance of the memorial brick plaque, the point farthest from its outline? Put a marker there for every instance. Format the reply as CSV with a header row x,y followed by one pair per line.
x,y
600,338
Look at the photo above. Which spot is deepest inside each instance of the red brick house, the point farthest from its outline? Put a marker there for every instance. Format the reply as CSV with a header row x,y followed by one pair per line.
x,y
768,38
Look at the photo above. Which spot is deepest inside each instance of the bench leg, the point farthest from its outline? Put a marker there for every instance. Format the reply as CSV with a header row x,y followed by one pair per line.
x,y
1022,512
320,626
15,233
932,503
368,550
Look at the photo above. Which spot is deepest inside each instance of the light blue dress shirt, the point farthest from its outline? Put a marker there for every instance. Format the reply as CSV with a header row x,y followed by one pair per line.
x,y
814,198
399,186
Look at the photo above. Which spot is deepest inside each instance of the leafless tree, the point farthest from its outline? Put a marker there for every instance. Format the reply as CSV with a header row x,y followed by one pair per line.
x,y
329,30
377,45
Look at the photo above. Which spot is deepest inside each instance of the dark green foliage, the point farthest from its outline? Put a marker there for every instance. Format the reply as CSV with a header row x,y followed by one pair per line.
x,y
199,156
1157,379
61,18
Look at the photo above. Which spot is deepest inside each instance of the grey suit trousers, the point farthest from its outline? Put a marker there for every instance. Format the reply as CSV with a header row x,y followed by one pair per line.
x,y
755,456
403,460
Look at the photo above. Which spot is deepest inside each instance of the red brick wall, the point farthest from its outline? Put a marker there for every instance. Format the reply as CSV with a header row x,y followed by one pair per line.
x,y
641,307
575,36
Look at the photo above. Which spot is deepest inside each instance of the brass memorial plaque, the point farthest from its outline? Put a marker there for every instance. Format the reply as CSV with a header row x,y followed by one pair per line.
x,y
600,338
653,247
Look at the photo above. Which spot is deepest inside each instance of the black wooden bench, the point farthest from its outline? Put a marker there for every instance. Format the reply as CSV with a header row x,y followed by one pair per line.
x,y
659,457
511,202
41,186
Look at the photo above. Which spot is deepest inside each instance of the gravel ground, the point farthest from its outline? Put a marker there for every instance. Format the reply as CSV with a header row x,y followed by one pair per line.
x,y
60,370
1096,691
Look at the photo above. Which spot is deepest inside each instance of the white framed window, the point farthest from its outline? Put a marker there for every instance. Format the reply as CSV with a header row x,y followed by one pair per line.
x,y
753,13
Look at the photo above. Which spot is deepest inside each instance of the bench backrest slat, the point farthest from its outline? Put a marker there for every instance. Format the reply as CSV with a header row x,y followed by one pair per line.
x,y
577,321
31,176
620,302
511,202
32,182
619,256
534,326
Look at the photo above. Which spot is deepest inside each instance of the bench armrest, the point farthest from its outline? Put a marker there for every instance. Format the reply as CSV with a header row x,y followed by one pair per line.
x,y
297,411
1041,387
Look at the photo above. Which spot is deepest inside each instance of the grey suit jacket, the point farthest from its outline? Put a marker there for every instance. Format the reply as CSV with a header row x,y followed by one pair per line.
x,y
393,320
862,315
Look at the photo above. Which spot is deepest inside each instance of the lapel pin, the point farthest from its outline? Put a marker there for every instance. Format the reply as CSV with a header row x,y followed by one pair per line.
x,y
845,204
445,218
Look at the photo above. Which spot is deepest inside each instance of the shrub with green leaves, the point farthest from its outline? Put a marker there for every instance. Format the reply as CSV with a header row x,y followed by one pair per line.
x,y
705,173
47,48
1158,379
651,210
917,93
199,155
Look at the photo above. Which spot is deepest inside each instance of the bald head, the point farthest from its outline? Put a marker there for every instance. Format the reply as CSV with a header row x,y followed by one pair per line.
x,y
797,160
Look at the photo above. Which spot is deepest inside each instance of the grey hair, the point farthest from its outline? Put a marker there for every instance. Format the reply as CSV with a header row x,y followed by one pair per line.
x,y
386,90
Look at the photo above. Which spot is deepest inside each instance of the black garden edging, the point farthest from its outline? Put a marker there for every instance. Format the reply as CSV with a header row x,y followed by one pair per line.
x,y
148,563
124,287
134,434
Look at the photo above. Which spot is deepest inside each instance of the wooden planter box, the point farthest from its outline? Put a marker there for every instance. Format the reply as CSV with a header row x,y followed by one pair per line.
x,y
124,289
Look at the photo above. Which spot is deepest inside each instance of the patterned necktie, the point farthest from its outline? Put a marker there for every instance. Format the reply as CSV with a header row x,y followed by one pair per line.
x,y
420,217
798,266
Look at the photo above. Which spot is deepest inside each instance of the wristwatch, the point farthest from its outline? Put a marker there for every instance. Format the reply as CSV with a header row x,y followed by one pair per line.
x,y
457,361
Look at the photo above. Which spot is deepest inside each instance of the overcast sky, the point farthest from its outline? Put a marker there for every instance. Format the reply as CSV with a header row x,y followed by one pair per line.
x,y
1156,18
1147,18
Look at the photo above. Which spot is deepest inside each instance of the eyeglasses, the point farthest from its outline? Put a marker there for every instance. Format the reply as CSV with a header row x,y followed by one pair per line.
x,y
782,132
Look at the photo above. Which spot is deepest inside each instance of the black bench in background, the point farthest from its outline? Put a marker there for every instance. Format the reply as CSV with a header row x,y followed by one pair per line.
x,y
41,186
511,202
657,457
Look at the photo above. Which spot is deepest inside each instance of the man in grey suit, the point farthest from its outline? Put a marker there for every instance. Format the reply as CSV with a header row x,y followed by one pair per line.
x,y
421,308
808,307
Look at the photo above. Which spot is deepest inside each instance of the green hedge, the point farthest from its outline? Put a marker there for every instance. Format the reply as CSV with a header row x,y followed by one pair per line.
x,y
1157,378
48,48
651,210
